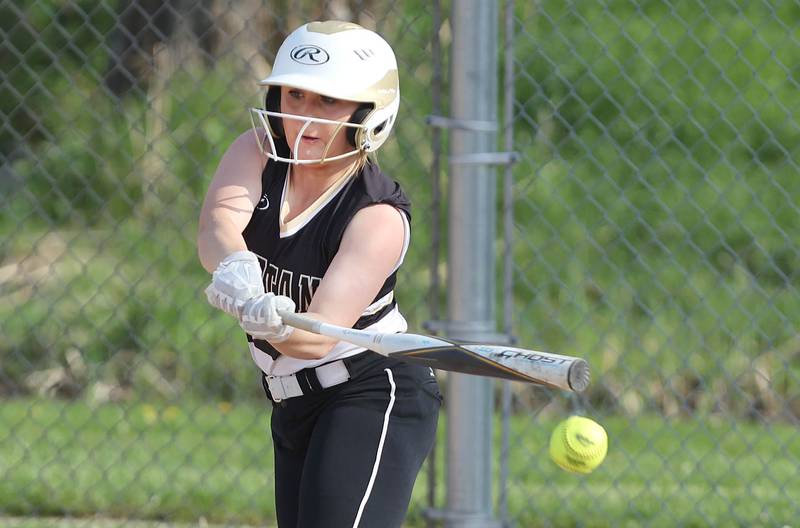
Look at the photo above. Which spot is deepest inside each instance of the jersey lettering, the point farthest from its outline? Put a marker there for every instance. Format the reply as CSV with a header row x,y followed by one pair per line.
x,y
308,285
271,277
284,283
281,282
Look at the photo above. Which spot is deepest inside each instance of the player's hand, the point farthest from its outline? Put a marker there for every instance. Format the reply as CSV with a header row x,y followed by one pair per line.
x,y
236,280
260,318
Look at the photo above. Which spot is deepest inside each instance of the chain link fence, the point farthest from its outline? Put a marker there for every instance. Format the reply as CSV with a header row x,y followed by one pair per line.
x,y
656,211
656,207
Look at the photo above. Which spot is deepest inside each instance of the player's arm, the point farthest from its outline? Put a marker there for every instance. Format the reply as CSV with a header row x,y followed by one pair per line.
x,y
229,203
370,250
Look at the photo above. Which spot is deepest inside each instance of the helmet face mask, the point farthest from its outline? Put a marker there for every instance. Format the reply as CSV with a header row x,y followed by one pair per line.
x,y
264,119
343,61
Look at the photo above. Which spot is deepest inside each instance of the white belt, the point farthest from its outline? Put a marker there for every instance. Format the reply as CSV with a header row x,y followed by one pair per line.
x,y
298,384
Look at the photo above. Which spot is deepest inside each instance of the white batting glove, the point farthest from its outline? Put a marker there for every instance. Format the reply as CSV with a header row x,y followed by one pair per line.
x,y
236,280
260,318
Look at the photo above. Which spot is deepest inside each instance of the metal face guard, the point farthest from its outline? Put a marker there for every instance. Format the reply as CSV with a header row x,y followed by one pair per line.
x,y
258,115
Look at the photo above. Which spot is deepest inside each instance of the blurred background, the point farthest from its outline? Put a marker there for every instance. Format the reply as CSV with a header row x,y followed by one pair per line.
x,y
655,228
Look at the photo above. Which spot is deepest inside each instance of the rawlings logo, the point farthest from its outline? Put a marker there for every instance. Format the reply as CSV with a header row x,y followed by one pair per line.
x,y
309,55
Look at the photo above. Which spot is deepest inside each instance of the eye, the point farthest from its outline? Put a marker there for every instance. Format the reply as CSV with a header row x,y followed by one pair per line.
x,y
328,100
295,94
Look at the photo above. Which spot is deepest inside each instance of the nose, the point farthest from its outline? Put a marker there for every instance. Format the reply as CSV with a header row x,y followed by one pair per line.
x,y
312,109
305,106
306,129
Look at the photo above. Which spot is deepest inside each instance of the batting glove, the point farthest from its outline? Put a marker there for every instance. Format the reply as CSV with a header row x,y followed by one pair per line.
x,y
236,280
260,317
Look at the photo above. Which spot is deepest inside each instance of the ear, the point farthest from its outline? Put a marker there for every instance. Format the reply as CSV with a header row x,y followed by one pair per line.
x,y
358,117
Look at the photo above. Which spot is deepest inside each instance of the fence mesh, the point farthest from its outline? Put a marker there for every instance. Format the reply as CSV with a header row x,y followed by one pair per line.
x,y
656,213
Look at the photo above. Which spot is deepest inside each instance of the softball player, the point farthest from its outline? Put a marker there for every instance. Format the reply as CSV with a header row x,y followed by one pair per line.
x,y
298,217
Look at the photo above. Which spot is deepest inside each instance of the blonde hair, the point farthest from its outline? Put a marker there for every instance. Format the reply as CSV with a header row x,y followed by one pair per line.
x,y
362,159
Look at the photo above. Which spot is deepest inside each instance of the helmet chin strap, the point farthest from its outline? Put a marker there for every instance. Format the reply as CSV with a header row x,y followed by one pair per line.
x,y
263,116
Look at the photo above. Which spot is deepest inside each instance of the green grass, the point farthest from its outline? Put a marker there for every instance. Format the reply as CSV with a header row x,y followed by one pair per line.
x,y
654,205
180,464
97,522
662,472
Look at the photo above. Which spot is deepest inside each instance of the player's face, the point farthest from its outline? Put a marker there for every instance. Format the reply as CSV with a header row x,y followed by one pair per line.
x,y
316,136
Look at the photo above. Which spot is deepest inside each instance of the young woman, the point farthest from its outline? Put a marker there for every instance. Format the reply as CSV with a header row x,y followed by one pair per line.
x,y
298,217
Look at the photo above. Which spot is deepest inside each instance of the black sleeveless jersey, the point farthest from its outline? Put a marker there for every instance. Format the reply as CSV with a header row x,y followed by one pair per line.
x,y
293,265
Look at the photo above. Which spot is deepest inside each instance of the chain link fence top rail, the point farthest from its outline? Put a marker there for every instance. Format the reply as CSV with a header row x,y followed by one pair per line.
x,y
656,233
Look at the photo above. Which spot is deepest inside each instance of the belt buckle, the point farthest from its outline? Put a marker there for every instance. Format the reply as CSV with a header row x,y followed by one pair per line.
x,y
270,379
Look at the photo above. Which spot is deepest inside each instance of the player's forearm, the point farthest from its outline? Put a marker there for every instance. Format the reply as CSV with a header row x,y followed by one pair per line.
x,y
217,239
306,345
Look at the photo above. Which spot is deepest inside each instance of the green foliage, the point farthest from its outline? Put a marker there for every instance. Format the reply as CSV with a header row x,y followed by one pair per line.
x,y
656,204
47,45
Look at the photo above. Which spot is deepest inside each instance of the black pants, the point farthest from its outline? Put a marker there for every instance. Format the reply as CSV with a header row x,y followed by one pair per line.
x,y
348,455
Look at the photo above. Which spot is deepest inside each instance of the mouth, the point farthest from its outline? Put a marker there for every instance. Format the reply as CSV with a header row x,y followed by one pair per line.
x,y
309,139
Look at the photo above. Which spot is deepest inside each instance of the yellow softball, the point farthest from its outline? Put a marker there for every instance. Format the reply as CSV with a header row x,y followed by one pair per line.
x,y
578,444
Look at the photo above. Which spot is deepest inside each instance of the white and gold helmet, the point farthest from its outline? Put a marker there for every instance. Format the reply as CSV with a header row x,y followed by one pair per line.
x,y
341,60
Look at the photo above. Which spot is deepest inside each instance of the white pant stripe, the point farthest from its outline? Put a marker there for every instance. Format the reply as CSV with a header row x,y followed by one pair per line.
x,y
380,449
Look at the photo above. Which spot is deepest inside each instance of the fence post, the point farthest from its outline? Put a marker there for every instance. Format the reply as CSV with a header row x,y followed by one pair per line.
x,y
471,268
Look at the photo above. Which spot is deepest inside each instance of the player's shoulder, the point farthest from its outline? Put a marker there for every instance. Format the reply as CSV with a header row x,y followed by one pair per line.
x,y
381,222
377,213
252,145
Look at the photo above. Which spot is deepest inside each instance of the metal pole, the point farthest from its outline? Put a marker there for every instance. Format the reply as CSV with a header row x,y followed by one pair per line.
x,y
471,266
508,233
